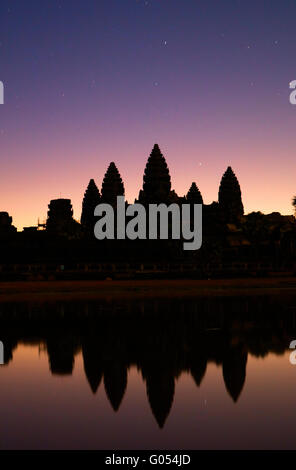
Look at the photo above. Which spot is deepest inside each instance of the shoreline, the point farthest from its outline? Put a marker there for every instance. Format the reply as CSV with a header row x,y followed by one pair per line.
x,y
51,291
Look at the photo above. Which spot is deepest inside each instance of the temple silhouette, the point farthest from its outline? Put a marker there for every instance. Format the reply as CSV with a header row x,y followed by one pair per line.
x,y
234,244
161,338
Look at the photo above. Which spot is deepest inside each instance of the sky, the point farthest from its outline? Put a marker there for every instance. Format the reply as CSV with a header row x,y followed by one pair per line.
x,y
87,82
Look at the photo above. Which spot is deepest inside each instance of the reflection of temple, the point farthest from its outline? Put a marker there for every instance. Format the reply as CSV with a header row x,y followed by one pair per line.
x,y
162,339
115,381
61,350
234,370
160,384
93,367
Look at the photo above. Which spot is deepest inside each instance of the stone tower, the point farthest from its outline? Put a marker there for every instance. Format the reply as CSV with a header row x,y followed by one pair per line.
x,y
112,185
194,196
60,217
230,199
6,226
91,199
157,180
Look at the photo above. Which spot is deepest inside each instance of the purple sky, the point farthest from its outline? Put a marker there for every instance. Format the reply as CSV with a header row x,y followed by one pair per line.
x,y
89,82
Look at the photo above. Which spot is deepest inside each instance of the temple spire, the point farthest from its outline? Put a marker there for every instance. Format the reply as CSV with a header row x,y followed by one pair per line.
x,y
230,200
91,199
156,180
112,185
194,196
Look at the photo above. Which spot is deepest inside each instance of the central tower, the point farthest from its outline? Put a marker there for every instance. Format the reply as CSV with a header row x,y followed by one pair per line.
x,y
157,180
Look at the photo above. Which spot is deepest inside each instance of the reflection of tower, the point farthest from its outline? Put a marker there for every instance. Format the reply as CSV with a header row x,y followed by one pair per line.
x,y
115,381
160,391
230,200
157,180
92,362
234,370
198,369
90,201
112,185
61,355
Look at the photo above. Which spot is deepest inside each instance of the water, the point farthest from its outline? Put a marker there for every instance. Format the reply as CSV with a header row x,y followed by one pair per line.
x,y
205,373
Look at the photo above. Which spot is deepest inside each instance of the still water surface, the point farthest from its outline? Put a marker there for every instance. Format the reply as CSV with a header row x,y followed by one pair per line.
x,y
206,373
